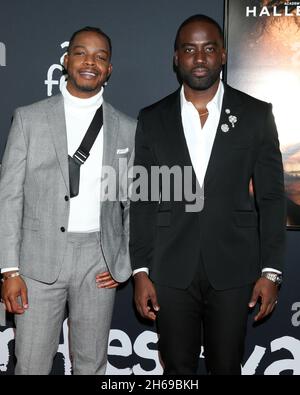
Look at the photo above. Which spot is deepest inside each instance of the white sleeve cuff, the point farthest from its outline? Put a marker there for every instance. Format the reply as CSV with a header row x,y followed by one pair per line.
x,y
269,269
9,269
141,269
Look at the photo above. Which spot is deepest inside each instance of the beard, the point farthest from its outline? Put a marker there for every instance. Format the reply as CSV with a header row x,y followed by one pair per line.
x,y
198,83
84,87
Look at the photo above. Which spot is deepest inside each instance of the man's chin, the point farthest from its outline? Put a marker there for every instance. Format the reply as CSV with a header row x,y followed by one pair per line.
x,y
201,84
88,88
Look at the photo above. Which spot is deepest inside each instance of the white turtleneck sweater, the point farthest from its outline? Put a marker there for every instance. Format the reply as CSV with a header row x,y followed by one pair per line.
x,y
84,208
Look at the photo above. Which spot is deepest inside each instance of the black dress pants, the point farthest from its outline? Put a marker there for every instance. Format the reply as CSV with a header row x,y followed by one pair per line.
x,y
222,315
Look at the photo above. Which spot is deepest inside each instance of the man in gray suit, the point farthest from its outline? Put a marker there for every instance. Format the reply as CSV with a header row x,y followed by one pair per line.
x,y
53,244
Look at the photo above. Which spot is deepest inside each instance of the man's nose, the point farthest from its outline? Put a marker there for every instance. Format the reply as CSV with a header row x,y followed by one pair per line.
x,y
89,59
200,57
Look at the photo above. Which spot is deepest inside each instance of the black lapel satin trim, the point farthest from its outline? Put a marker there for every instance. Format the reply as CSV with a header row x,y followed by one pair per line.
x,y
174,133
231,101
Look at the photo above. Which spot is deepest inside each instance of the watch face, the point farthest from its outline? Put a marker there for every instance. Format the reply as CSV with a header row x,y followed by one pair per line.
x,y
276,278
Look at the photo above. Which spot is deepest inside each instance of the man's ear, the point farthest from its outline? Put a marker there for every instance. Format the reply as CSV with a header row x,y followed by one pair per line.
x,y
175,58
110,69
66,60
224,56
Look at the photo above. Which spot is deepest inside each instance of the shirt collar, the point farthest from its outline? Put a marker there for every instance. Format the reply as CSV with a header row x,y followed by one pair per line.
x,y
216,101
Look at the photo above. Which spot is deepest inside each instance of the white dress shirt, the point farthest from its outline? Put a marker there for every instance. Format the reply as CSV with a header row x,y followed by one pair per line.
x,y
200,139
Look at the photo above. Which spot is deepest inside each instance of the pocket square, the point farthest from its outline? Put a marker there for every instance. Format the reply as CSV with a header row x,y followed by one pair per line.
x,y
122,151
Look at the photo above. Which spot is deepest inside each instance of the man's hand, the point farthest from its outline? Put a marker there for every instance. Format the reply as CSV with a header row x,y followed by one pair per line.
x,y
12,288
145,293
267,291
105,280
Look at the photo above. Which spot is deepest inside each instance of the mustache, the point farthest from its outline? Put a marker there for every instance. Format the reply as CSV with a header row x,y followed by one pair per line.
x,y
89,71
201,68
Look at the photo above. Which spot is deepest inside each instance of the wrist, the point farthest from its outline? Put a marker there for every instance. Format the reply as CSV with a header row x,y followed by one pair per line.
x,y
140,275
8,275
274,277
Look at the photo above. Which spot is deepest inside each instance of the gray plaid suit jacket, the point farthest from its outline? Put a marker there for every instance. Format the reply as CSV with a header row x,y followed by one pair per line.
x,y
34,182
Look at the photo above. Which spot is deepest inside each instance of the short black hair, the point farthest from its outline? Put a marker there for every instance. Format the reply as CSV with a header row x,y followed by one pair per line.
x,y
94,30
198,18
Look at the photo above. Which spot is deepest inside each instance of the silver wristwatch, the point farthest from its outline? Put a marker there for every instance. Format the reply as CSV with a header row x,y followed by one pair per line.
x,y
275,277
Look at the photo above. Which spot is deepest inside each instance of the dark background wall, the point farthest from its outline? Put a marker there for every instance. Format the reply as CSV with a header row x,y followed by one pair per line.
x,y
142,33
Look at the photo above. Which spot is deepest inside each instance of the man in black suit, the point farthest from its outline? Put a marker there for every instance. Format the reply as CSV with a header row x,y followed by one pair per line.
x,y
202,270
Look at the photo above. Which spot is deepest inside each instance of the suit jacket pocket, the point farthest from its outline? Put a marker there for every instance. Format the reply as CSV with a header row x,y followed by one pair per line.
x,y
245,219
30,223
163,218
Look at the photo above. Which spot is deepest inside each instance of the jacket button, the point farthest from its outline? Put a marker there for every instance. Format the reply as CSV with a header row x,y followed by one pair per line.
x,y
62,229
66,198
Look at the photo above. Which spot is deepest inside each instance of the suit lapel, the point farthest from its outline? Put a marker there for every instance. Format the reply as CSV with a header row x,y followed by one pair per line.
x,y
174,133
110,139
110,134
223,139
57,126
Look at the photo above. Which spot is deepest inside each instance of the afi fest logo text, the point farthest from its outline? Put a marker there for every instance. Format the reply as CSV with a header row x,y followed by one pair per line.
x,y
2,55
54,74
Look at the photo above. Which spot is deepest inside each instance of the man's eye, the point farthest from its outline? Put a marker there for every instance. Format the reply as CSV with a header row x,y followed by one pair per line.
x,y
79,53
101,58
189,50
210,49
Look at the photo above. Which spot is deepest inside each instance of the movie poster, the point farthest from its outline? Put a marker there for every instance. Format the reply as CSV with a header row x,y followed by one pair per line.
x,y
263,42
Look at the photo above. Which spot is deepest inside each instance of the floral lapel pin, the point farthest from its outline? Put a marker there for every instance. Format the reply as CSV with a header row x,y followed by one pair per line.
x,y
225,128
232,120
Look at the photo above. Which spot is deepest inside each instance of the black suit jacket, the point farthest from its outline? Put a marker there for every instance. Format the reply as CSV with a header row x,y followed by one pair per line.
x,y
235,235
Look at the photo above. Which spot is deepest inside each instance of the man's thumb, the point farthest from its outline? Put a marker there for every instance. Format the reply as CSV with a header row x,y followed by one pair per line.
x,y
254,298
24,298
154,302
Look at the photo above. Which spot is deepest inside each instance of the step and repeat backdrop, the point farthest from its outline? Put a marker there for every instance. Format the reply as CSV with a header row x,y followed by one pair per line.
x,y
33,40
